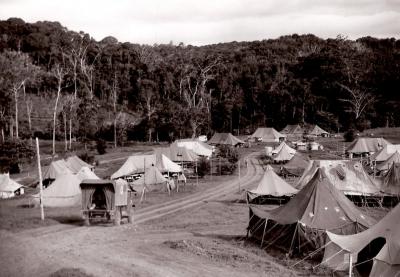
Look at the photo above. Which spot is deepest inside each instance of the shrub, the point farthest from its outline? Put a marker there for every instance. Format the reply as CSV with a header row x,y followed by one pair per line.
x,y
349,135
101,146
87,157
203,167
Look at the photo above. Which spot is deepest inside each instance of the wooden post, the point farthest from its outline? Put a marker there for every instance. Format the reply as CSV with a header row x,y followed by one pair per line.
x,y
197,175
350,265
239,173
40,180
211,168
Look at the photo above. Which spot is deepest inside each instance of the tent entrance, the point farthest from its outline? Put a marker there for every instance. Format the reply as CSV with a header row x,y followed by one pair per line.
x,y
99,200
366,255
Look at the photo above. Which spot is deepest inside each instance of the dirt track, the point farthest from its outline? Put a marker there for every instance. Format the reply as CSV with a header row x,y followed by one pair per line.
x,y
141,249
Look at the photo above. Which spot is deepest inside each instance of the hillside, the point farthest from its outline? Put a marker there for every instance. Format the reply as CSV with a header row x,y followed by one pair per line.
x,y
180,90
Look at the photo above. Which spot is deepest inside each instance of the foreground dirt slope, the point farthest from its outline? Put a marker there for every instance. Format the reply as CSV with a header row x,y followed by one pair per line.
x,y
192,236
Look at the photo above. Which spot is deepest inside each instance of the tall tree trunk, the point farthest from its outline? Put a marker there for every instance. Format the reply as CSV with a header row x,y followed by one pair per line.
x,y
115,132
303,113
54,120
16,112
150,134
2,134
193,125
70,134
65,131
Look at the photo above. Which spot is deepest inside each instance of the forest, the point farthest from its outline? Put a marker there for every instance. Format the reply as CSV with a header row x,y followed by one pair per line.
x,y
63,84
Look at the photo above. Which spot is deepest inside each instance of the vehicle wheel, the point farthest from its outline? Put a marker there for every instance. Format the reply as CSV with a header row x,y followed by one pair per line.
x,y
117,218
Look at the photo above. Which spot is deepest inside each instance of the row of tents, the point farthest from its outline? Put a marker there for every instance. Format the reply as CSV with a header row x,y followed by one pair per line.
x,y
319,216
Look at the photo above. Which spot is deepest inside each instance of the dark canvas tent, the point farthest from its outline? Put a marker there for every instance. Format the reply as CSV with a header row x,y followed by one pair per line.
x,y
367,145
317,131
301,223
391,181
293,130
225,139
376,250
297,164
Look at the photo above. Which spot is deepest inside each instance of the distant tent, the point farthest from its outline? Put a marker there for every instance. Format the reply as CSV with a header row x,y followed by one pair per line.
x,y
391,181
347,176
297,164
197,146
317,131
177,154
284,155
385,153
293,130
300,225
56,169
394,158
376,250
151,179
271,185
138,164
63,192
268,135
75,164
281,146
85,173
225,139
8,187
367,145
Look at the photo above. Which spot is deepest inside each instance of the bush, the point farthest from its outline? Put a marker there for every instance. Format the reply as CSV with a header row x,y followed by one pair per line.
x,y
350,135
87,157
229,153
203,167
101,146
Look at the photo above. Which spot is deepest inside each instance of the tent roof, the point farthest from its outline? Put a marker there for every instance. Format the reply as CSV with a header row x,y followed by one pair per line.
x,y
64,191
74,163
298,161
386,152
56,169
284,145
317,131
85,173
272,184
7,184
285,154
292,130
176,153
197,146
391,181
137,164
318,205
388,228
152,176
394,158
225,139
347,176
367,145
267,133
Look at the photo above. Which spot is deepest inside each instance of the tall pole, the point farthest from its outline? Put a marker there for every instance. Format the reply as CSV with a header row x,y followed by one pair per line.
x,y
239,173
197,175
40,180
350,264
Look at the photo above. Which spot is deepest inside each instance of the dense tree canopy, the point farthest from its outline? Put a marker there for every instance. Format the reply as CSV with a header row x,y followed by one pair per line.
x,y
171,91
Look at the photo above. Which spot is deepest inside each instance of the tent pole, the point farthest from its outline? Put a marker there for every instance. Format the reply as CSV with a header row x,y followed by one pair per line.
x,y
262,239
239,174
197,175
40,180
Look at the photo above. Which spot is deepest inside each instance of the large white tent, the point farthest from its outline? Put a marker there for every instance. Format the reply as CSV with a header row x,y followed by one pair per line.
x,y
385,153
281,146
197,146
75,164
56,169
268,135
9,187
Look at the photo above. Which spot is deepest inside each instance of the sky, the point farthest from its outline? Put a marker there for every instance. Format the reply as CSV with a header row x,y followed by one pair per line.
x,y
203,22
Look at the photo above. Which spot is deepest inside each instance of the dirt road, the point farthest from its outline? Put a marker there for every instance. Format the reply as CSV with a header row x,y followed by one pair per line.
x,y
139,249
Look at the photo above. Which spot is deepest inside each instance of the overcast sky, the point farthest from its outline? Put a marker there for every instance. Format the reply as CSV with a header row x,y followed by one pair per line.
x,y
200,22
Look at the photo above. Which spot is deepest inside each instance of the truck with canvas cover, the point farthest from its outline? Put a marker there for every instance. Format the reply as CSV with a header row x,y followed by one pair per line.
x,y
109,200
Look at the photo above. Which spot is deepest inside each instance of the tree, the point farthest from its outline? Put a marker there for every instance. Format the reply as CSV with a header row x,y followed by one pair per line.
x,y
150,103
358,100
16,69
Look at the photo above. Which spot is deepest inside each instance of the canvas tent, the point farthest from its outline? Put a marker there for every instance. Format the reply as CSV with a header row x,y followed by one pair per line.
x,y
385,153
391,181
394,158
63,192
376,250
281,146
197,146
85,173
367,145
284,155
293,130
177,154
297,164
225,139
138,164
8,187
56,169
271,185
347,176
75,164
150,180
267,135
317,131
300,225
